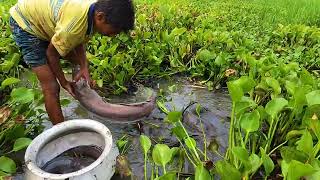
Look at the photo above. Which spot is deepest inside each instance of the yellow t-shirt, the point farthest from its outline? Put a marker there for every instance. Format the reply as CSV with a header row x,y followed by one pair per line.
x,y
63,22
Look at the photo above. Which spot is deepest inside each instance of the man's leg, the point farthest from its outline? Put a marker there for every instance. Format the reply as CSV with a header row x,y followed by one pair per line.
x,y
51,90
33,50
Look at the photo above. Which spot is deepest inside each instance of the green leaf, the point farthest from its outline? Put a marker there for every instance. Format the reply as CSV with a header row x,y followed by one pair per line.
x,y
297,170
213,146
255,163
162,107
284,168
235,91
21,143
121,143
299,95
174,151
145,144
267,162
306,77
32,78
173,88
15,58
112,49
221,59
262,112
177,32
9,81
100,83
290,87
64,102
7,165
209,84
250,122
190,142
315,163
198,109
313,98
205,55
22,95
3,174
241,154
202,173
305,144
290,153
142,19
294,133
227,171
174,116
14,133
274,84
245,83
244,105
274,106
6,66
311,113
161,154
315,126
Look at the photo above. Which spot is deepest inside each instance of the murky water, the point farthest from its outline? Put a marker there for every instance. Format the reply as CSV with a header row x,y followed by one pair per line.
x,y
214,116
72,160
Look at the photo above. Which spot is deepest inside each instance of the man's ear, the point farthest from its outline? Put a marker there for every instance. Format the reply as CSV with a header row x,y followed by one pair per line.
x,y
99,16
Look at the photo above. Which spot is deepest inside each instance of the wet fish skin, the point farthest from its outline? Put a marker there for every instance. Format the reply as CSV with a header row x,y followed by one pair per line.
x,y
94,103
62,166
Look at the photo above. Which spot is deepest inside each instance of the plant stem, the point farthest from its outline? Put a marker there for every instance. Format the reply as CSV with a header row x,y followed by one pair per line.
x,y
219,154
157,171
204,140
152,172
164,169
269,134
194,165
316,150
151,124
193,148
246,139
287,124
202,153
254,144
8,152
273,132
277,147
241,138
231,138
145,167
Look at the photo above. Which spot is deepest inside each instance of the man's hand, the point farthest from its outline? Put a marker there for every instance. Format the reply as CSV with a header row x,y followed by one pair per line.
x,y
84,73
78,57
69,87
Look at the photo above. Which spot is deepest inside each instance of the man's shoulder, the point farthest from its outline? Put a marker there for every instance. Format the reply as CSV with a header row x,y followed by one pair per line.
x,y
78,5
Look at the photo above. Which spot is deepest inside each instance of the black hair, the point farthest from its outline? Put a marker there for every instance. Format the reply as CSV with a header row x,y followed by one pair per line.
x,y
118,13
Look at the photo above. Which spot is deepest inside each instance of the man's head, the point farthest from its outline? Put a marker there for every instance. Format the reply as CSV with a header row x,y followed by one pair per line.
x,y
113,16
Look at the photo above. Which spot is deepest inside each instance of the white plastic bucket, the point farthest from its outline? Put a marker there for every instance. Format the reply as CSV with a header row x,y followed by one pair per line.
x,y
68,135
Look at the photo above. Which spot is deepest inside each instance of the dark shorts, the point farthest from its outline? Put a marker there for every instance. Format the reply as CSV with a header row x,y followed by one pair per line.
x,y
32,48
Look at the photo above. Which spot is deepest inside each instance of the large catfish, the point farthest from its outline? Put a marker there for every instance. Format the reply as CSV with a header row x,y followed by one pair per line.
x,y
94,103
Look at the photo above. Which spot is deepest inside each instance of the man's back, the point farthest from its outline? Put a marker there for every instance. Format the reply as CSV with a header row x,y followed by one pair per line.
x,y
54,20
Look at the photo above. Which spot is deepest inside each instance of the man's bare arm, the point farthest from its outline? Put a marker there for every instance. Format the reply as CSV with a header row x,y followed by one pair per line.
x,y
54,62
78,56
